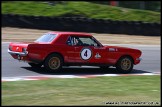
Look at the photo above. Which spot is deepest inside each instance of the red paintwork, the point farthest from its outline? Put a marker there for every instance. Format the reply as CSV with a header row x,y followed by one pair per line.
x,y
37,52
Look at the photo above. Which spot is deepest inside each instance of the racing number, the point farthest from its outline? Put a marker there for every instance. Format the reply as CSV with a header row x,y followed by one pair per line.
x,y
86,53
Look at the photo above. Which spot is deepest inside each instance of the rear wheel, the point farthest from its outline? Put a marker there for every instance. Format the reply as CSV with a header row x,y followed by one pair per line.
x,y
35,65
53,62
125,65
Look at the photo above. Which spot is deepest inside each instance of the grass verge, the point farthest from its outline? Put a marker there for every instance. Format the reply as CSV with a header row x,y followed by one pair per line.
x,y
77,91
85,9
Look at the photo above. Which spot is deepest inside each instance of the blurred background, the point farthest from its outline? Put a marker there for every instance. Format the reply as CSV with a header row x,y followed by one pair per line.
x,y
114,17
144,5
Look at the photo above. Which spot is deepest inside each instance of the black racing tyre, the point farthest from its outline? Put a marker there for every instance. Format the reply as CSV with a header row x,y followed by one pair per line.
x,y
34,65
53,62
125,65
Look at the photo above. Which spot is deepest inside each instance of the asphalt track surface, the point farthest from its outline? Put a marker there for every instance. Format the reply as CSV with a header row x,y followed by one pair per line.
x,y
150,64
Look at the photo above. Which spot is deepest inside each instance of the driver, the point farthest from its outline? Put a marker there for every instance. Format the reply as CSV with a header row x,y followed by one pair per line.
x,y
77,41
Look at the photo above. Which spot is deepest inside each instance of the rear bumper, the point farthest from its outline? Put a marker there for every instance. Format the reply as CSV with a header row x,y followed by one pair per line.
x,y
18,53
23,56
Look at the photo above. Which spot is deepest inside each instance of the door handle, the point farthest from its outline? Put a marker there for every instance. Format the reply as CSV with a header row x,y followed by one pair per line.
x,y
76,47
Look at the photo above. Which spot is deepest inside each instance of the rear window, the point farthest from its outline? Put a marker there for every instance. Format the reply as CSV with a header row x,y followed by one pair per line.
x,y
47,38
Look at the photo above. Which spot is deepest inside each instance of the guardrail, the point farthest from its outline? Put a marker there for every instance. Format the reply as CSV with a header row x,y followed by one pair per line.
x,y
81,24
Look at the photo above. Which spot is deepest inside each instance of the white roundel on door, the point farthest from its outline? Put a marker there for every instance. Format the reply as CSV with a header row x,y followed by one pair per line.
x,y
86,53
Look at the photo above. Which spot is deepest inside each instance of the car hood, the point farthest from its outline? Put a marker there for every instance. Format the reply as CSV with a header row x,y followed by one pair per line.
x,y
122,49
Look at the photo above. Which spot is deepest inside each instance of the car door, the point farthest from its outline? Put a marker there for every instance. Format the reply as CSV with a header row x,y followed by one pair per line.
x,y
70,50
90,54
84,49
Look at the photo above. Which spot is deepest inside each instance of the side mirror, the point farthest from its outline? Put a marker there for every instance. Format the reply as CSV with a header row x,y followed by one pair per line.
x,y
95,45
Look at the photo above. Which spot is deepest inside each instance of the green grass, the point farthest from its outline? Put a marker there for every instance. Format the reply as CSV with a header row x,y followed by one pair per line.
x,y
79,91
86,9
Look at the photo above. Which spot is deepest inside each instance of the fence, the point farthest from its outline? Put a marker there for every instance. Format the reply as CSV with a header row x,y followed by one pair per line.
x,y
81,24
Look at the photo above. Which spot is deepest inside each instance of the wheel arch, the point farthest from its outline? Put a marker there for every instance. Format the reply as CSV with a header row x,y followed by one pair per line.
x,y
125,56
54,53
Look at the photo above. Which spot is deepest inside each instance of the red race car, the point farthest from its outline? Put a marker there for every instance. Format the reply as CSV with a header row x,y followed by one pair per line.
x,y
57,49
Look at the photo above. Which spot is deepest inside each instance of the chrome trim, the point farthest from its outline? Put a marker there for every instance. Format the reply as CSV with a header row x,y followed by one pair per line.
x,y
139,59
18,53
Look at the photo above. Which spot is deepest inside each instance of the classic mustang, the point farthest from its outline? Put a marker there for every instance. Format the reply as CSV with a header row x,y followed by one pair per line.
x,y
57,49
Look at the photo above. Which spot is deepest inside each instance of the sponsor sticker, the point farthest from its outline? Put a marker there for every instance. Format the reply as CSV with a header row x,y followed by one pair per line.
x,y
97,55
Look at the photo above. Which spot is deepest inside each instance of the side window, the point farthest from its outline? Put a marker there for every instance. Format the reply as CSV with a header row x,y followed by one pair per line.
x,y
77,41
70,41
88,41
74,40
81,41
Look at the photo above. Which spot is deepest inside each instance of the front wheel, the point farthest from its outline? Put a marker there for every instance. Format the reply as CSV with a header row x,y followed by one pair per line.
x,y
125,65
53,62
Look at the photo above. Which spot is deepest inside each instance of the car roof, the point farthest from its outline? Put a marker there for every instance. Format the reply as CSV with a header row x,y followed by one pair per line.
x,y
71,33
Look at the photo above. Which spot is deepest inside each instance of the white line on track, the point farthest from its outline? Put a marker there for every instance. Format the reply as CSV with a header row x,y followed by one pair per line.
x,y
45,77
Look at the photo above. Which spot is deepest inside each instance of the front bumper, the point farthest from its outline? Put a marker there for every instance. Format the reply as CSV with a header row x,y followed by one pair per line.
x,y
137,61
18,53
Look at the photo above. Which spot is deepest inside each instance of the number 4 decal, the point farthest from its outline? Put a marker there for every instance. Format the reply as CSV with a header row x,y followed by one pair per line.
x,y
86,53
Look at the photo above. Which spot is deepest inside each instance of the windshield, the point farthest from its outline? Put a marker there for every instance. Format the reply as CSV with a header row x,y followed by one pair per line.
x,y
46,38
